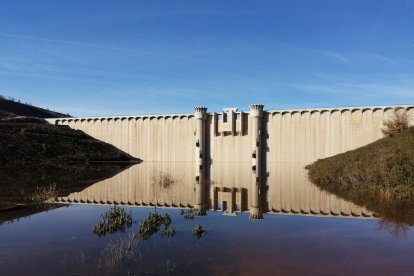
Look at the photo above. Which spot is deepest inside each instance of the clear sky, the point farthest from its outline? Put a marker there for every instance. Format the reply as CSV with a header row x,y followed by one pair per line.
x,y
137,57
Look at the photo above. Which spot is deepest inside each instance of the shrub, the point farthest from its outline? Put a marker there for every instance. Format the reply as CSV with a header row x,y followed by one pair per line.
x,y
44,194
397,124
198,231
116,219
154,223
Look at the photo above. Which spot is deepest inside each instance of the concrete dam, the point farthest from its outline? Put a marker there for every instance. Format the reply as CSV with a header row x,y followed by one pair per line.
x,y
262,152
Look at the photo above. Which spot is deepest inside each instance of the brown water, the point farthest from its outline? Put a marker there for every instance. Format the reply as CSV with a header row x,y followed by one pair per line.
x,y
303,231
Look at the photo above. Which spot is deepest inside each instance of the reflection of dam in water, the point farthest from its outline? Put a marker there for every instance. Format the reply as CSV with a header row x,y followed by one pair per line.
x,y
171,184
233,159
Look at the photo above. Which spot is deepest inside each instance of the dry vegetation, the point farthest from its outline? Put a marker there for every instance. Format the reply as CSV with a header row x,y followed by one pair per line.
x,y
44,194
379,176
25,143
397,124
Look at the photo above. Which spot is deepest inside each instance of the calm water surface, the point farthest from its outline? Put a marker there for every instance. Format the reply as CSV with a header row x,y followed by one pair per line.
x,y
303,230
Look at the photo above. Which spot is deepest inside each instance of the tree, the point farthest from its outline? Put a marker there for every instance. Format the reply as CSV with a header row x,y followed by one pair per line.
x,y
396,124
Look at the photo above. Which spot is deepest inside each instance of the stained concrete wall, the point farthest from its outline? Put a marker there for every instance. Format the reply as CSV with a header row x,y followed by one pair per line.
x,y
142,185
251,158
290,135
150,138
308,135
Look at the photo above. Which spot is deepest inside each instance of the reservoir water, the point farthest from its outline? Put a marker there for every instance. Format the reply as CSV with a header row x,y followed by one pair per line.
x,y
295,229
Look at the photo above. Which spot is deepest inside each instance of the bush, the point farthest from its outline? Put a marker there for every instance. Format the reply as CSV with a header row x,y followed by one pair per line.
x,y
379,176
397,124
116,219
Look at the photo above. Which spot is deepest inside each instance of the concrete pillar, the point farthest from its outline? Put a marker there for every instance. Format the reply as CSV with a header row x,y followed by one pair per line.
x,y
200,116
256,115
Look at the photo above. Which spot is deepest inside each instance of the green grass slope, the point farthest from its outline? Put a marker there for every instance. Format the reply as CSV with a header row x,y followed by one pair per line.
x,y
379,176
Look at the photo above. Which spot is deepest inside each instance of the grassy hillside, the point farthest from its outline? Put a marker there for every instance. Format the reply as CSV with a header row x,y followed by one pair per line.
x,y
24,142
10,108
379,176
17,184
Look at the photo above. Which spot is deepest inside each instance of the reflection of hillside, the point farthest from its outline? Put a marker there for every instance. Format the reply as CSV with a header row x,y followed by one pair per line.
x,y
172,184
290,191
17,185
20,212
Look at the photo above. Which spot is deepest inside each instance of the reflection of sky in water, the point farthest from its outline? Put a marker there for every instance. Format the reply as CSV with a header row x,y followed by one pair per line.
x,y
325,236
62,241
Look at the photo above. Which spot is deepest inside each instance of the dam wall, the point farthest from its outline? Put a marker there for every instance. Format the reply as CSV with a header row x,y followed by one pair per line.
x,y
259,152
150,138
290,135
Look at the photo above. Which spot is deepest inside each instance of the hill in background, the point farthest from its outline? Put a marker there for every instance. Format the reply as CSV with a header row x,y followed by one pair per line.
x,y
12,108
26,139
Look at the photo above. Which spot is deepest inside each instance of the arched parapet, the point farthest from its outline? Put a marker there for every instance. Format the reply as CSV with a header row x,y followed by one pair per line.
x,y
314,113
397,108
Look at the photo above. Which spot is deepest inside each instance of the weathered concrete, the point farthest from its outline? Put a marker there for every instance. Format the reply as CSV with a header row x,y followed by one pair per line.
x,y
248,151
291,135
170,184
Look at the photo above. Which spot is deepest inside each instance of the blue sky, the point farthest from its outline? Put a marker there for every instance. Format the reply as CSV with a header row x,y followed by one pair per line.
x,y
96,58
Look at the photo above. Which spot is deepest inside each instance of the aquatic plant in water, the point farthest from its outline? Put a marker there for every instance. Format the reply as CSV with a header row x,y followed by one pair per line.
x,y
125,249
116,219
192,213
198,231
154,223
